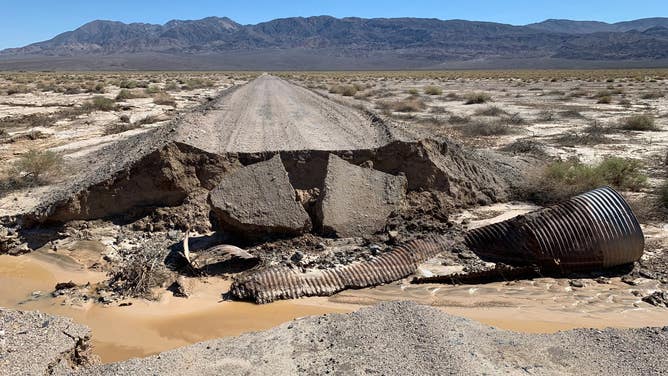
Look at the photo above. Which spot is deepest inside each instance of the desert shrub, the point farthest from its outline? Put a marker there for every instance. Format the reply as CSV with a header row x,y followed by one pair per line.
x,y
515,119
152,89
17,89
433,90
457,119
172,86
483,128
128,84
604,99
197,83
561,180
594,134
139,273
572,114
490,111
38,166
476,98
413,91
100,103
452,97
526,146
345,90
164,99
639,123
126,94
72,90
546,116
406,105
652,95
115,128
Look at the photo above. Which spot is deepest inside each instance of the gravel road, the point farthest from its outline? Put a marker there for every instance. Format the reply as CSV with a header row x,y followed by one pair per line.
x,y
270,114
403,338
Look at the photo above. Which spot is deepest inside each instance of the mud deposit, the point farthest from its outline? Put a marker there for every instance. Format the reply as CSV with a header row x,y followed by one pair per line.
x,y
144,327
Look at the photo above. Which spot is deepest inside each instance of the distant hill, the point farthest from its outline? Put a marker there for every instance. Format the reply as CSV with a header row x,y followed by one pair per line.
x,y
349,43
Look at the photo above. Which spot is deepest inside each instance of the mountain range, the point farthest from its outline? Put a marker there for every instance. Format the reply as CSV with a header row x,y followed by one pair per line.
x,y
325,42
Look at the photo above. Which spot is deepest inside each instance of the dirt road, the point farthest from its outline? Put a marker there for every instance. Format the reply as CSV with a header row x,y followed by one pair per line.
x,y
270,114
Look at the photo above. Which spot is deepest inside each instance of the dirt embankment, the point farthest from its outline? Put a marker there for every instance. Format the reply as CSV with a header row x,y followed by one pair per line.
x,y
405,338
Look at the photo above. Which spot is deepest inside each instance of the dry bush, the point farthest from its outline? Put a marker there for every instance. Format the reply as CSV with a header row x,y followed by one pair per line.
x,y
115,128
345,90
139,274
563,179
150,119
546,115
38,166
197,83
164,99
526,146
433,90
457,119
17,89
639,123
99,103
126,94
594,134
406,105
452,97
477,98
571,114
604,99
484,128
490,111
652,95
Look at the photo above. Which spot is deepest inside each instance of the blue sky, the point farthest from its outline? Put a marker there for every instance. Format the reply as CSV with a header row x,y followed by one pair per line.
x,y
27,21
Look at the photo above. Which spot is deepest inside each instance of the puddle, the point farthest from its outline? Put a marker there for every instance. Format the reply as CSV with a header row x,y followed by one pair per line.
x,y
145,328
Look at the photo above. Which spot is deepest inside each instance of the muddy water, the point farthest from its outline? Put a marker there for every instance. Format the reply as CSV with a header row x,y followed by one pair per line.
x,y
541,305
144,327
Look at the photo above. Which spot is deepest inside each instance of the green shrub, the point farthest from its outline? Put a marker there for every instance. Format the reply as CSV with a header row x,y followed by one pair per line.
x,y
563,179
433,90
125,94
345,90
639,123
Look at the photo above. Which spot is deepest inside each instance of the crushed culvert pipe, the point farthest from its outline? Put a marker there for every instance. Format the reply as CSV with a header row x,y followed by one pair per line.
x,y
268,285
591,231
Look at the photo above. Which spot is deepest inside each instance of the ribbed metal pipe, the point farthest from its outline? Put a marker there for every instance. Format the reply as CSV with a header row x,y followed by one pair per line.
x,y
268,285
594,230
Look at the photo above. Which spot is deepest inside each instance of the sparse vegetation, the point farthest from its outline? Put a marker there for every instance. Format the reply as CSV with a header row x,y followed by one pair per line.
x,y
125,94
490,111
477,98
484,128
406,105
563,179
433,90
652,95
100,103
38,166
164,99
639,123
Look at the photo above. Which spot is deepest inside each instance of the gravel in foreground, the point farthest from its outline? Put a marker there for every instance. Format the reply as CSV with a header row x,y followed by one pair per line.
x,y
403,338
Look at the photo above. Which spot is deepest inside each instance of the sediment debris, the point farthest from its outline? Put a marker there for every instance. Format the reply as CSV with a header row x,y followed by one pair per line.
x,y
268,285
357,201
259,200
591,231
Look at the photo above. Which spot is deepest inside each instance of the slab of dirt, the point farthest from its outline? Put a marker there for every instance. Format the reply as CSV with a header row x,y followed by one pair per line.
x,y
257,200
405,338
357,201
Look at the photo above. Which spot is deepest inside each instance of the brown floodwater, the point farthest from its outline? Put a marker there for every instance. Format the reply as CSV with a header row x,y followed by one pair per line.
x,y
148,327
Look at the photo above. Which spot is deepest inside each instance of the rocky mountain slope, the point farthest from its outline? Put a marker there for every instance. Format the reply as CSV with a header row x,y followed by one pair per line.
x,y
344,43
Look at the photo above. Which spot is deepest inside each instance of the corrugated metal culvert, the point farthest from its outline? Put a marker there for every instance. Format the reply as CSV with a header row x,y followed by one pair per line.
x,y
593,230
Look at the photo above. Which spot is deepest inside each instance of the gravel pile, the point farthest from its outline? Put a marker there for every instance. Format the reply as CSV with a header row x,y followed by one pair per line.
x,y
402,338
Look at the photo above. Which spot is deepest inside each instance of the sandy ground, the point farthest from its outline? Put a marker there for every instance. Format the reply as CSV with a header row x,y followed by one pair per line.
x,y
271,114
